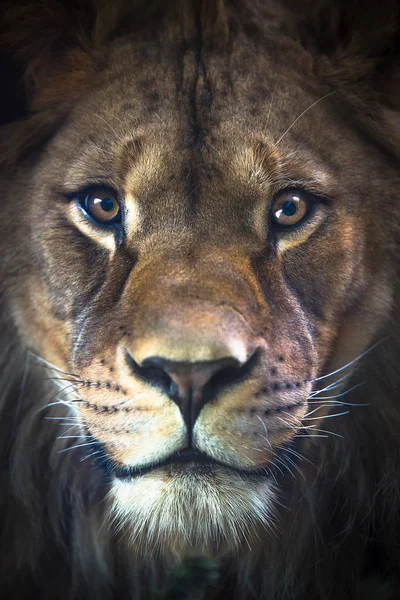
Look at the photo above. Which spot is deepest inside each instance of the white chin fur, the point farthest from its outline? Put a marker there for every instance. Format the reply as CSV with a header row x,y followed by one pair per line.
x,y
183,511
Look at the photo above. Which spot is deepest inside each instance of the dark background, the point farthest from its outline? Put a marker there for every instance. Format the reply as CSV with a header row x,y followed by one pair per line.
x,y
12,104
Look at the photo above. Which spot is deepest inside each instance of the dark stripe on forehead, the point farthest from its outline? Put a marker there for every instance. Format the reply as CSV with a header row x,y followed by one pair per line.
x,y
197,90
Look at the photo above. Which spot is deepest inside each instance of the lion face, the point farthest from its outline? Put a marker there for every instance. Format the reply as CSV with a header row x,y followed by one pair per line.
x,y
200,259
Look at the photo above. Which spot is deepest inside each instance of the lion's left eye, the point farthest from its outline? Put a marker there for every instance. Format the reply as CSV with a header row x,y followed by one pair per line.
x,y
101,205
290,207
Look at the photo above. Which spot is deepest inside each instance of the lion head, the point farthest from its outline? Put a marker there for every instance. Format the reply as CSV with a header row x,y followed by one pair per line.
x,y
199,298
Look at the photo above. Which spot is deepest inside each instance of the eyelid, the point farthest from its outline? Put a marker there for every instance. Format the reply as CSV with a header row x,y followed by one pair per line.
x,y
87,189
313,191
308,186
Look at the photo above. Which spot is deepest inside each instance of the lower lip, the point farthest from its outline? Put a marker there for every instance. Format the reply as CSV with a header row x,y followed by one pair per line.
x,y
190,462
183,461
201,465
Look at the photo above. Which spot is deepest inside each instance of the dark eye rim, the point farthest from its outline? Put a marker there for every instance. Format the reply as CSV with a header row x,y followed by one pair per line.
x,y
81,199
314,200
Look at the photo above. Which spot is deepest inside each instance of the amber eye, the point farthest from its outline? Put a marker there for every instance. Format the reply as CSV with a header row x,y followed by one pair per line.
x,y
101,205
290,207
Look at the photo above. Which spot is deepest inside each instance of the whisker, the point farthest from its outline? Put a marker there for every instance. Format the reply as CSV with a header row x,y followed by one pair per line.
x,y
296,454
70,437
266,431
324,431
263,438
61,391
301,457
288,414
89,455
331,386
75,381
326,416
77,446
48,406
109,125
303,113
296,467
359,357
270,107
273,464
71,427
50,365
317,408
58,403
70,419
343,393
71,400
338,402
268,471
310,436
284,465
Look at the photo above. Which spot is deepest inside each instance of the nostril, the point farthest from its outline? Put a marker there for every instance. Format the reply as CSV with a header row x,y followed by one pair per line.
x,y
229,376
157,377
151,374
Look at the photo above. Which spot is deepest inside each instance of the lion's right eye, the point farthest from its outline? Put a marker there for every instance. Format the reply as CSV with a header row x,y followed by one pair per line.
x,y
291,207
101,205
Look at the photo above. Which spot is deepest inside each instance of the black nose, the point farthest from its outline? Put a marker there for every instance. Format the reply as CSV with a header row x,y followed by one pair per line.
x,y
186,383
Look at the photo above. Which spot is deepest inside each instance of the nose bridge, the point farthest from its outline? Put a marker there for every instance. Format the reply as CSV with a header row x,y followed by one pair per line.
x,y
191,331
220,278
192,310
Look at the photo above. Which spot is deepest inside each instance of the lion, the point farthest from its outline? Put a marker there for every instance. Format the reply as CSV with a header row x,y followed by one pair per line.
x,y
200,300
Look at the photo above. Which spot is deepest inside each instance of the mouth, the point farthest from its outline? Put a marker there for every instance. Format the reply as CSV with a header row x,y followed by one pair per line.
x,y
187,458
194,462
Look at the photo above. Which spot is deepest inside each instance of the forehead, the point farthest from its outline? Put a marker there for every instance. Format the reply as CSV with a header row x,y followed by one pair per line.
x,y
193,87
175,118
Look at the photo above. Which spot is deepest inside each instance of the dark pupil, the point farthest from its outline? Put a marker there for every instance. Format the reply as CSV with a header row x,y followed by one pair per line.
x,y
289,208
107,204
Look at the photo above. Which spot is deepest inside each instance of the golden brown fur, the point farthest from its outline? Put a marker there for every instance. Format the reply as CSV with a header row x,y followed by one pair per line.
x,y
198,113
